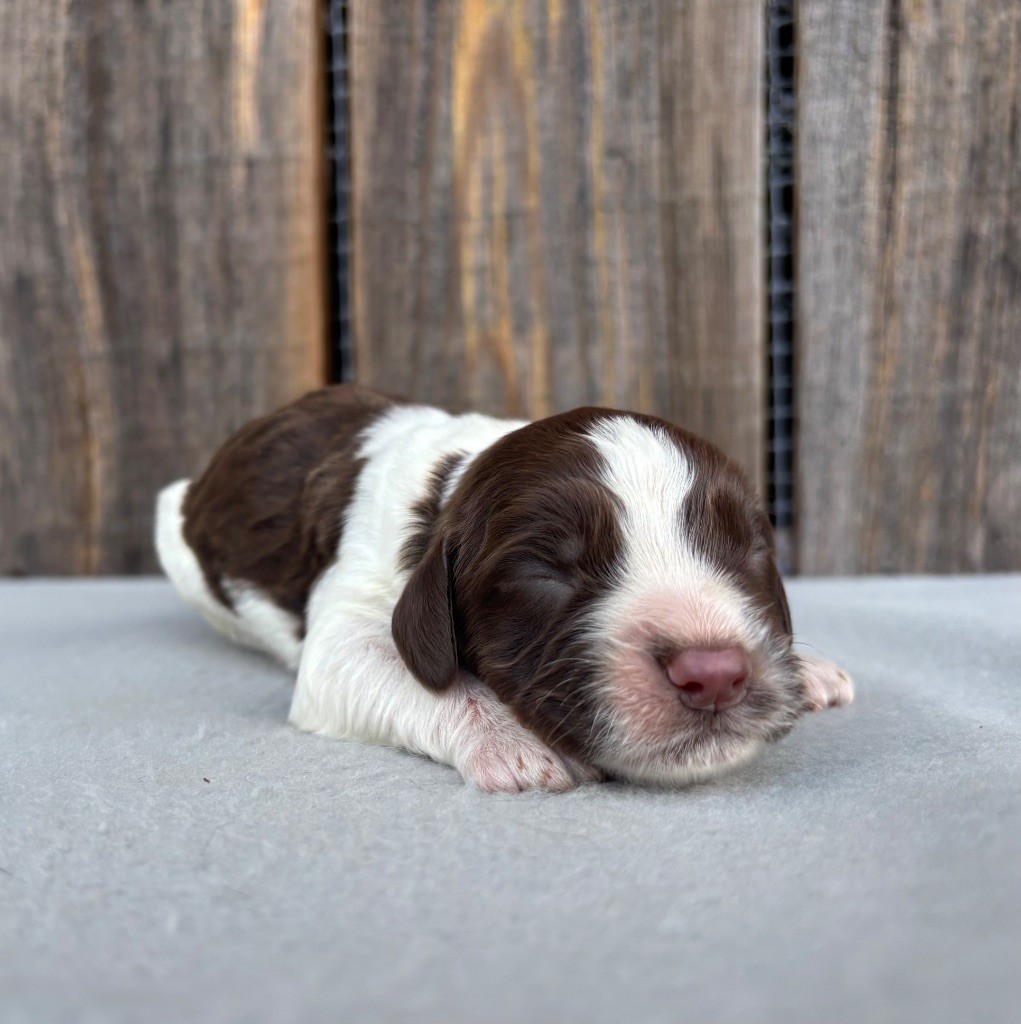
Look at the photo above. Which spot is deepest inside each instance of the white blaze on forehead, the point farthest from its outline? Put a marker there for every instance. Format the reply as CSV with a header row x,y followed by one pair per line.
x,y
652,477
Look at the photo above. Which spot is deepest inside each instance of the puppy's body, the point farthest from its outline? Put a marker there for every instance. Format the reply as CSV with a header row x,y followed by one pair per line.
x,y
510,599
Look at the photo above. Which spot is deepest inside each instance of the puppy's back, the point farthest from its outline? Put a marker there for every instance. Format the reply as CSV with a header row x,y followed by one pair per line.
x,y
246,540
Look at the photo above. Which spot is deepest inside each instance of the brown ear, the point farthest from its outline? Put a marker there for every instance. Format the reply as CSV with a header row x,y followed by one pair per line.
x,y
423,621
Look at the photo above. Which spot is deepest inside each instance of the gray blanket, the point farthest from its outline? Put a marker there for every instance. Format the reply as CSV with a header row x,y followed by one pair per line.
x,y
171,850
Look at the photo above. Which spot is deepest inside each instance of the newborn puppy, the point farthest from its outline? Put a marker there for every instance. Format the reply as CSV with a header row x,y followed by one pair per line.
x,y
536,604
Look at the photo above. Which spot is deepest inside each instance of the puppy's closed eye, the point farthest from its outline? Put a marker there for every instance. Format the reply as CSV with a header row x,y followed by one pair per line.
x,y
546,582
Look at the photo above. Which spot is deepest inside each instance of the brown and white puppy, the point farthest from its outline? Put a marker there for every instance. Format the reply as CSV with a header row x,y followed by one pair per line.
x,y
536,604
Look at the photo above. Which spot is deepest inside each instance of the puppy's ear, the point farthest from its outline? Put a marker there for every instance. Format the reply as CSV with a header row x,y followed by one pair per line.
x,y
423,621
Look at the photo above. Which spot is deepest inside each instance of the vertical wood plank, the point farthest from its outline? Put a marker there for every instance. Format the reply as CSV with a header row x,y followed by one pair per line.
x,y
561,203
909,330
161,234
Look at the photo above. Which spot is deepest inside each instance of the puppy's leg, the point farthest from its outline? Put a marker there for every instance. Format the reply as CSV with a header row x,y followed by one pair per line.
x,y
353,684
494,752
827,685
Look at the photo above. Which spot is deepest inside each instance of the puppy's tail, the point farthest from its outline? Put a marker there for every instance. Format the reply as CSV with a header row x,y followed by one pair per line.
x,y
179,561
254,621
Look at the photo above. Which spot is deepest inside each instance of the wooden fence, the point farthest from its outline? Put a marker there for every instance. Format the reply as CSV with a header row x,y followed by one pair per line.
x,y
909,334
553,203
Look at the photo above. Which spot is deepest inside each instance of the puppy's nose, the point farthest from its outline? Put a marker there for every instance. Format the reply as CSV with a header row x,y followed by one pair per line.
x,y
708,679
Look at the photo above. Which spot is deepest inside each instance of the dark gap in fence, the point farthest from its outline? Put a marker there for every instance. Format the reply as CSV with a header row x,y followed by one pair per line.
x,y
338,173
780,125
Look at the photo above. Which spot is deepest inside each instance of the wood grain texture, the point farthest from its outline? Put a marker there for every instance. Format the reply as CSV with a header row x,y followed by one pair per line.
x,y
161,255
909,330
561,203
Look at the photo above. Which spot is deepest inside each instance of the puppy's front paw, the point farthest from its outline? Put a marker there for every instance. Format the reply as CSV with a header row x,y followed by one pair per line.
x,y
827,685
512,763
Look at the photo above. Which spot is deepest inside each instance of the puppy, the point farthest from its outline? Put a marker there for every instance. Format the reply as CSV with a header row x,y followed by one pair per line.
x,y
536,604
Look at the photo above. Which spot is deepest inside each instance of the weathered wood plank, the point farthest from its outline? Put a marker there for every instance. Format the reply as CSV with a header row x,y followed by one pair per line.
x,y
161,258
562,203
909,332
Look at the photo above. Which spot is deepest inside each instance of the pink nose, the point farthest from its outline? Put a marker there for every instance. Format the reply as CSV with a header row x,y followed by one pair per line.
x,y
707,679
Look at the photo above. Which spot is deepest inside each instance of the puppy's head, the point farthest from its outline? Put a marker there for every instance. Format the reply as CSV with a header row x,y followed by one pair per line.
x,y
612,579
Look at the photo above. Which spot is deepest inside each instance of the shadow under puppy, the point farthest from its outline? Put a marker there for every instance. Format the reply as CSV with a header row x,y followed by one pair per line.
x,y
537,604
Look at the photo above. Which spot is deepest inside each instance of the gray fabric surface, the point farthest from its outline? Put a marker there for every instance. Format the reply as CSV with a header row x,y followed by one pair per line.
x,y
868,868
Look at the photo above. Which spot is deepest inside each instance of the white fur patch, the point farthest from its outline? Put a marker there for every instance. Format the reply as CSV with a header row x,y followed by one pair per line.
x,y
265,624
401,450
652,478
